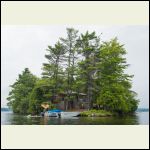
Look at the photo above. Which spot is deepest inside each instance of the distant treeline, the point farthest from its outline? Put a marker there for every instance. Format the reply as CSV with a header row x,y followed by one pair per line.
x,y
5,109
142,109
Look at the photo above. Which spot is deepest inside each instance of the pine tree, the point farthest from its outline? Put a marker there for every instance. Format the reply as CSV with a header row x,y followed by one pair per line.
x,y
54,68
89,48
69,44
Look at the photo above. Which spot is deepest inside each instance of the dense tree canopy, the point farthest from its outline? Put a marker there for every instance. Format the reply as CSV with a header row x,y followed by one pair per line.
x,y
19,96
78,63
115,87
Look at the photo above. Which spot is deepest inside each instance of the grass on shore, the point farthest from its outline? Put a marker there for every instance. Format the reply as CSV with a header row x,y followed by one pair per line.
x,y
96,113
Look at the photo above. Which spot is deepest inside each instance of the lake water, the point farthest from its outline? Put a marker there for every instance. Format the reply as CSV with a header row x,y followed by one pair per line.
x,y
139,118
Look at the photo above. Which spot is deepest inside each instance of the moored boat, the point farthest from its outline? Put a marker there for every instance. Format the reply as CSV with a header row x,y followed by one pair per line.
x,y
53,113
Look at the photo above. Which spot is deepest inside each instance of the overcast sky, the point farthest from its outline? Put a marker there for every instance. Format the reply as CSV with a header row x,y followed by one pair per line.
x,y
24,46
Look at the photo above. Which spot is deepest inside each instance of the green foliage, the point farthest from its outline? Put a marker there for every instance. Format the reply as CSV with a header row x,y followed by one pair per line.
x,y
96,113
81,64
71,56
54,56
41,92
19,96
53,70
89,45
115,87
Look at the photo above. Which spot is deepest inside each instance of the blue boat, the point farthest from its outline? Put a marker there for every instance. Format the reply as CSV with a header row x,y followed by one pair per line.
x,y
53,113
55,110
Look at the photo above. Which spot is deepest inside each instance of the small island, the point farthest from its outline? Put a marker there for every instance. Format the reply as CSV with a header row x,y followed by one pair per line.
x,y
82,73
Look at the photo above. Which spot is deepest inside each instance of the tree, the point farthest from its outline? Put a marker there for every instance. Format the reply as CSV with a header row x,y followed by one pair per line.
x,y
53,69
19,96
69,44
88,45
115,92
42,92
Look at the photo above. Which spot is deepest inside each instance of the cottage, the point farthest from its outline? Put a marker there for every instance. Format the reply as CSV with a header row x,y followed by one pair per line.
x,y
70,101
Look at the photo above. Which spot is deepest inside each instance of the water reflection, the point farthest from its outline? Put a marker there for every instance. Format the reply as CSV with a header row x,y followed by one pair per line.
x,y
8,118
